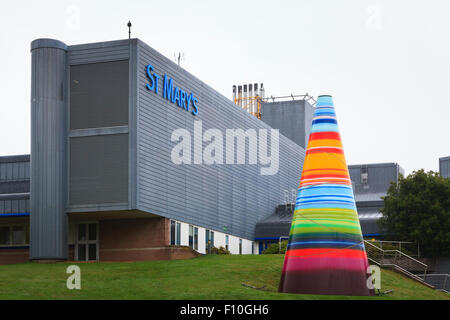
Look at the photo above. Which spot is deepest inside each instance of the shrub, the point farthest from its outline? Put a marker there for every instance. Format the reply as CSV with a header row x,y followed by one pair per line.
x,y
274,248
220,250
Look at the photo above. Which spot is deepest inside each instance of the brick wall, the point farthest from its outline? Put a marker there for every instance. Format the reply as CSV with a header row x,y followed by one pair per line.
x,y
10,256
139,240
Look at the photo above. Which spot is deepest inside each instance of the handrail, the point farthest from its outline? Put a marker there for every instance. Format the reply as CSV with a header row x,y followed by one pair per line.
x,y
371,247
404,254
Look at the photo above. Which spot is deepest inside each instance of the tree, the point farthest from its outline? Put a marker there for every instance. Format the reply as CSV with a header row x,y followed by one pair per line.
x,y
417,209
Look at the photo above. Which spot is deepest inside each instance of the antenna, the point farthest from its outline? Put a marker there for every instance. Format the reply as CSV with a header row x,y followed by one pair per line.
x,y
129,29
179,58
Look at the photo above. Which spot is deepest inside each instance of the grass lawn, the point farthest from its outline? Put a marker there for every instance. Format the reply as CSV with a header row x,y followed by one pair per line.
x,y
210,277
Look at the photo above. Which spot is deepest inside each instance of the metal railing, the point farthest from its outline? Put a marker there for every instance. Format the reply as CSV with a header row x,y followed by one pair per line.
x,y
440,281
306,97
412,249
397,260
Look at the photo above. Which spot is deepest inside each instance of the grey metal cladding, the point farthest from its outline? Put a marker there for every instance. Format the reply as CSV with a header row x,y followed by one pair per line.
x,y
98,52
48,221
292,118
444,167
14,170
98,170
99,95
211,196
15,205
379,175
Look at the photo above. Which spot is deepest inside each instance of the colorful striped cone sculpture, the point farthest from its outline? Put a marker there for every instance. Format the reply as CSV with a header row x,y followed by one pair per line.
x,y
326,253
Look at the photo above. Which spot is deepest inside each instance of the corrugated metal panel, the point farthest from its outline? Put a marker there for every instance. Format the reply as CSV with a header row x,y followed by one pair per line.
x,y
379,177
444,167
211,196
98,169
14,168
292,118
48,221
98,52
99,95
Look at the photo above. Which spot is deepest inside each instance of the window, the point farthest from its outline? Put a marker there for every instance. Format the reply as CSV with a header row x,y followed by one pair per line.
x,y
175,232
253,247
364,175
178,241
86,247
191,236
227,242
195,238
172,232
209,239
240,246
14,235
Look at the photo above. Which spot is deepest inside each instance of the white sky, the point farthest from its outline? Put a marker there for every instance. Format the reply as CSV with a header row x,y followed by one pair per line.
x,y
387,63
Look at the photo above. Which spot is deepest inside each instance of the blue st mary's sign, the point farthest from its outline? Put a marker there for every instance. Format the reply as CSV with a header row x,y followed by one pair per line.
x,y
172,93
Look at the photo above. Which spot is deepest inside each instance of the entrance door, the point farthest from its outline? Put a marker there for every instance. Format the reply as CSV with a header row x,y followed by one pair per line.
x,y
86,248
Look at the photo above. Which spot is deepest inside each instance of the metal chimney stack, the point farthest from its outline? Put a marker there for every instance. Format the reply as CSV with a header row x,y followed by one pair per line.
x,y
261,92
240,96
234,94
245,104
250,95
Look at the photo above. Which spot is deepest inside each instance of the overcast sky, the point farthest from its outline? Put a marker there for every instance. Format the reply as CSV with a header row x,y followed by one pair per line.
x,y
386,63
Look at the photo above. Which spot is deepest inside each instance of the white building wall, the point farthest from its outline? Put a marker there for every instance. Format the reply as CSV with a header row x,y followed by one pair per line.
x,y
201,240
219,240
184,241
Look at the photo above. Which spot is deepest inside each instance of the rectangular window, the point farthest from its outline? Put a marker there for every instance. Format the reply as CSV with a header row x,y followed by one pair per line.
x,y
172,232
253,247
175,232
195,238
18,235
364,175
191,236
227,241
207,242
14,235
209,238
178,227
4,235
240,246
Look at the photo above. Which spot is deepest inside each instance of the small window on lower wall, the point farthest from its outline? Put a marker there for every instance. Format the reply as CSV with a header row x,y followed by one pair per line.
x,y
240,246
193,237
14,235
175,232
227,242
209,240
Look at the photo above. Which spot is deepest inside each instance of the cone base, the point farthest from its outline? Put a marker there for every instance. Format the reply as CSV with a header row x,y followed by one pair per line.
x,y
327,282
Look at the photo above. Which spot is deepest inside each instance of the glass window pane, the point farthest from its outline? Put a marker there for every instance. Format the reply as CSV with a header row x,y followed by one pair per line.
x,y
19,235
81,252
92,251
212,238
207,241
4,235
178,233
172,232
191,237
195,238
92,231
82,232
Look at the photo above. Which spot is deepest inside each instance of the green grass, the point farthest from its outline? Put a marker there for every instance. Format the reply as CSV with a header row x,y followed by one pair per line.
x,y
210,277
